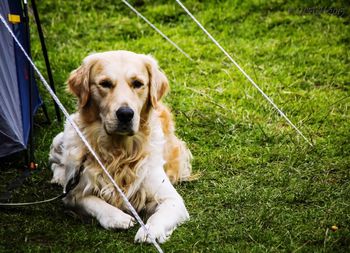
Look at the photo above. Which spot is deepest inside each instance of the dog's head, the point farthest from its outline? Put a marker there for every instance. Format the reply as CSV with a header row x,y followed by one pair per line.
x,y
118,87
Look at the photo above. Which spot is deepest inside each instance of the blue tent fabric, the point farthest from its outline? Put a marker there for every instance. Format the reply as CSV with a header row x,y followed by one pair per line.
x,y
14,84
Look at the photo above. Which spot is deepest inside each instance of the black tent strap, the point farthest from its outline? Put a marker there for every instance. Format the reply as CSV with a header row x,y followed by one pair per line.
x,y
72,183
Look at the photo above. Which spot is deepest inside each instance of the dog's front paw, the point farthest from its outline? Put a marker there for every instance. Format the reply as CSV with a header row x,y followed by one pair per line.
x,y
154,232
118,220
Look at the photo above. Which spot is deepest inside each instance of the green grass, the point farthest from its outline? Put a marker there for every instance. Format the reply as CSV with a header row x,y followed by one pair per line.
x,y
263,189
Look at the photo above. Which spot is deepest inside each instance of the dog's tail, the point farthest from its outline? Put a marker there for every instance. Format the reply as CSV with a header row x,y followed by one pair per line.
x,y
177,156
185,169
178,163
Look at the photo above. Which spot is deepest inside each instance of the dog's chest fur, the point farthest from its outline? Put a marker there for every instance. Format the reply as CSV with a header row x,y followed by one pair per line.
x,y
127,159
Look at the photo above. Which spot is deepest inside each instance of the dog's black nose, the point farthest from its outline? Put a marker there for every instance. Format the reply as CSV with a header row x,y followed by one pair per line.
x,y
125,114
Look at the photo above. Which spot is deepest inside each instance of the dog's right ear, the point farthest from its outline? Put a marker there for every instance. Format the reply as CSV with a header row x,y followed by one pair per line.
x,y
79,82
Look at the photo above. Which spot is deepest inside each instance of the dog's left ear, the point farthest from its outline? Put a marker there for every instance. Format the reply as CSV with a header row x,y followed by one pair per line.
x,y
158,82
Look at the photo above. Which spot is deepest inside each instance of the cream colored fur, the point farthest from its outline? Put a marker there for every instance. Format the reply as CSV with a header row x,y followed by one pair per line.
x,y
144,161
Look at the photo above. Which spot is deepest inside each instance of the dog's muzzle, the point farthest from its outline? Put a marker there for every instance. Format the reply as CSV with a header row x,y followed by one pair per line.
x,y
125,117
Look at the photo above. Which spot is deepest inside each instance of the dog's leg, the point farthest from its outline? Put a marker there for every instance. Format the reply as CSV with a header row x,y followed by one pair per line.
x,y
107,215
170,210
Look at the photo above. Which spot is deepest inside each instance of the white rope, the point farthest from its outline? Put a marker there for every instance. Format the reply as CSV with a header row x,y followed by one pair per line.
x,y
80,134
156,29
225,52
244,73
31,203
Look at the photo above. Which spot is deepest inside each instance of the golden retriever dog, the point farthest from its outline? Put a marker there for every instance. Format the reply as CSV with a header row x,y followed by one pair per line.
x,y
121,115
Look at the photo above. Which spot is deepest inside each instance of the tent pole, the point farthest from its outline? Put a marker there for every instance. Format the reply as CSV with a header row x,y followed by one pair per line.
x,y
43,106
46,57
30,163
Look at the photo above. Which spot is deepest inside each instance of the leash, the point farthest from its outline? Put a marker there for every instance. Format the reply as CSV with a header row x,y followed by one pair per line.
x,y
33,203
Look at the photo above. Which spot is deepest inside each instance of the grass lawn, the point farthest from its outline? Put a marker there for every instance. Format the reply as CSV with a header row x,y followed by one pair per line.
x,y
263,188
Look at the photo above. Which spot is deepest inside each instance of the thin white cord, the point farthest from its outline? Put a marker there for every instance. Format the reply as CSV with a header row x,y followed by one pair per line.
x,y
244,73
31,203
80,134
156,29
225,52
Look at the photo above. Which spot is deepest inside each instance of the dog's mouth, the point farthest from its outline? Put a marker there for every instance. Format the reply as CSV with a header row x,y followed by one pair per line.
x,y
120,129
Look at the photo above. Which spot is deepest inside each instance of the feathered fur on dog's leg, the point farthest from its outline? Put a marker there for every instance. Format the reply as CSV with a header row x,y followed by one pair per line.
x,y
74,152
55,160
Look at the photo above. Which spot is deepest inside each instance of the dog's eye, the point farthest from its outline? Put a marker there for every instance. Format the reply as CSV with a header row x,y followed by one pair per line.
x,y
137,84
106,84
